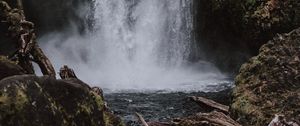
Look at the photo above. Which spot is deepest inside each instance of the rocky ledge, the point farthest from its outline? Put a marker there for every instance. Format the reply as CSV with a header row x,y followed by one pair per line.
x,y
269,84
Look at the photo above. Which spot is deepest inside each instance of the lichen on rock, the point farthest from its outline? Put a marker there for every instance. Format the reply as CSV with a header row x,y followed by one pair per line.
x,y
269,83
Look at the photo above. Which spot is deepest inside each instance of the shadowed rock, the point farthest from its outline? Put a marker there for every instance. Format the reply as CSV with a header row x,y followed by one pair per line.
x,y
9,68
269,83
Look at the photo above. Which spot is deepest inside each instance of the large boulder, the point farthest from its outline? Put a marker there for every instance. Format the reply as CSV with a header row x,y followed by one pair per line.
x,y
28,100
269,83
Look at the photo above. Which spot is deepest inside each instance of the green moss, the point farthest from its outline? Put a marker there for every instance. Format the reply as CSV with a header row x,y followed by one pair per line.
x,y
19,100
84,108
111,120
98,99
4,99
5,59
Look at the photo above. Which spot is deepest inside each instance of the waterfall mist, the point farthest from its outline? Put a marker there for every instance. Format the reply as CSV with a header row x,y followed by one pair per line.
x,y
134,44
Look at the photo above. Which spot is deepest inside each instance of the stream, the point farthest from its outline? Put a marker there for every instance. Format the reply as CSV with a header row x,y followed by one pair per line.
x,y
162,105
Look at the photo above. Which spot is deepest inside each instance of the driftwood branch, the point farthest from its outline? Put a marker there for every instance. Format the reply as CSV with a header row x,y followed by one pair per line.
x,y
43,61
219,118
159,124
144,123
65,73
212,118
141,119
210,104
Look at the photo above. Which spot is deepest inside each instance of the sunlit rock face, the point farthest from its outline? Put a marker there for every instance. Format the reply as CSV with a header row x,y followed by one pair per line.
x,y
269,83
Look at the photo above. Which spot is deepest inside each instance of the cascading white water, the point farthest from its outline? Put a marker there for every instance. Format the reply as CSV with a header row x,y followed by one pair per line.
x,y
135,44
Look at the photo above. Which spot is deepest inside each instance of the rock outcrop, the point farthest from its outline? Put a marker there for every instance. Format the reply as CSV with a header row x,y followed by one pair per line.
x,y
231,31
29,100
269,83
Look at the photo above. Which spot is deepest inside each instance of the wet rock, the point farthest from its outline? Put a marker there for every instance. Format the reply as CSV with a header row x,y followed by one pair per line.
x,y
269,83
33,101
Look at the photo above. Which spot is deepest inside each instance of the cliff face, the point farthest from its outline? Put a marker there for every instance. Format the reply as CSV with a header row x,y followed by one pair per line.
x,y
231,31
269,83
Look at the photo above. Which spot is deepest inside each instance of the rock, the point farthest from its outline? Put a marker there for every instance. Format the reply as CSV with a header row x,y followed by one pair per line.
x,y
28,100
269,83
229,32
9,68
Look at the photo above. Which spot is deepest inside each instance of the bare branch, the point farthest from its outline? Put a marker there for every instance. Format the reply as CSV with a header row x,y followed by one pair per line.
x,y
210,104
141,119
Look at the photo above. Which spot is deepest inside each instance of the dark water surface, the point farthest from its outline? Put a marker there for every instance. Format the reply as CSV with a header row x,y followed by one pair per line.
x,y
160,105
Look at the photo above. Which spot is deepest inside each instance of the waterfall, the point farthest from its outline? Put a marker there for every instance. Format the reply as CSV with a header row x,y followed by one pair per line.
x,y
135,44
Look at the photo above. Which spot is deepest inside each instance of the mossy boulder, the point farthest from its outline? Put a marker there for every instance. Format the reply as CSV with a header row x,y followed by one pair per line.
x,y
269,83
29,100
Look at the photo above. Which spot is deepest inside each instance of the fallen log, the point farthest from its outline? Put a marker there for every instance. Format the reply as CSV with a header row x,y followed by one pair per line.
x,y
142,120
213,119
210,104
159,124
